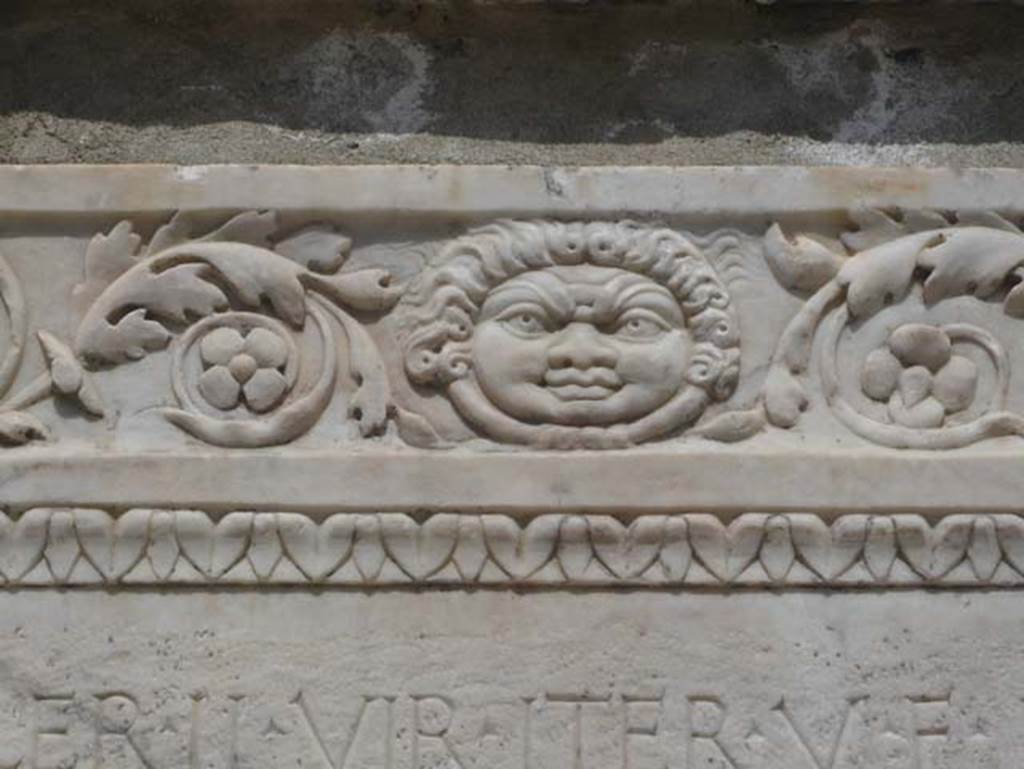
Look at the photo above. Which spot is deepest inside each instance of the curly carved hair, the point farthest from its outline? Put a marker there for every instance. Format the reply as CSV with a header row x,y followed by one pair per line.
x,y
440,308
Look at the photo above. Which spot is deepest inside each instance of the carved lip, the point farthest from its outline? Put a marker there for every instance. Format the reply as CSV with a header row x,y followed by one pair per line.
x,y
573,392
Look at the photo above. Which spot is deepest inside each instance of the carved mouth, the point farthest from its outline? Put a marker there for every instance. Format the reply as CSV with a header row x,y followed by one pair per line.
x,y
574,392
576,385
583,386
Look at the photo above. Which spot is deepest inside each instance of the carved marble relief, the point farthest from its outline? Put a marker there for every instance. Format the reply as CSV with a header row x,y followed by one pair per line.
x,y
542,334
85,546
596,335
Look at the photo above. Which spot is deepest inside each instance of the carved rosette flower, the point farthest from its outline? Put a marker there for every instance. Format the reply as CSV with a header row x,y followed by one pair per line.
x,y
919,377
245,368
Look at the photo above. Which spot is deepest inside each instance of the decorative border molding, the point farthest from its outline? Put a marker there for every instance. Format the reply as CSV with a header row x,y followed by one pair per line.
x,y
77,546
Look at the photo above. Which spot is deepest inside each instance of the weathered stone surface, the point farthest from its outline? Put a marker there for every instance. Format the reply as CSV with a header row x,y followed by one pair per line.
x,y
495,679
487,467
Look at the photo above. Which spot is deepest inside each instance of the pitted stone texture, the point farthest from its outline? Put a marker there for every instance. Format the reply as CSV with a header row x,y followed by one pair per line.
x,y
593,680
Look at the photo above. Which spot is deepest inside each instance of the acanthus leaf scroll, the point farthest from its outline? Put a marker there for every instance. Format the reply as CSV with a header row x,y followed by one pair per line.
x,y
63,376
542,334
926,386
237,300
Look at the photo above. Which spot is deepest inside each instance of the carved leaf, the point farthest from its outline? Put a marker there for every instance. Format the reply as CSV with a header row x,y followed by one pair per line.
x,y
19,427
62,550
65,372
880,548
22,542
67,376
984,552
829,551
881,275
113,547
1010,529
877,227
368,551
163,548
986,219
175,232
251,227
415,430
131,338
317,551
874,228
369,290
470,554
1013,305
317,247
180,284
784,398
420,550
521,551
733,426
971,260
177,293
107,256
265,550
726,551
574,549
213,548
777,554
676,553
627,551
933,551
800,264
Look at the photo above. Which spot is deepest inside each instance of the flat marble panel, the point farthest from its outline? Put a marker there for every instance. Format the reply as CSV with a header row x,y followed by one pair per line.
x,y
608,680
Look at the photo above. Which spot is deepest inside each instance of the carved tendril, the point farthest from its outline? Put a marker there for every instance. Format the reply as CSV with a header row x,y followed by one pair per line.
x,y
980,261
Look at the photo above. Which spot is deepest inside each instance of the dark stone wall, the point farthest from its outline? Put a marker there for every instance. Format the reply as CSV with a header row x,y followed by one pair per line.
x,y
303,81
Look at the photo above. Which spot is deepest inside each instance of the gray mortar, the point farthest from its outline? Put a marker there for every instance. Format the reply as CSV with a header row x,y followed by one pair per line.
x,y
205,81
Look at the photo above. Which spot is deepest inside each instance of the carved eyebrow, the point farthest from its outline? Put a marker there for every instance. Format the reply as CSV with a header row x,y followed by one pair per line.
x,y
550,294
649,296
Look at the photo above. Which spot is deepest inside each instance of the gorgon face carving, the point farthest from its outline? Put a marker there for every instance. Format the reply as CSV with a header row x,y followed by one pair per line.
x,y
580,345
581,335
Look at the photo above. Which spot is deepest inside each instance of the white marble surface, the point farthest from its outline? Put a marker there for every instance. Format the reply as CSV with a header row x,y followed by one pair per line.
x,y
489,468
495,679
681,329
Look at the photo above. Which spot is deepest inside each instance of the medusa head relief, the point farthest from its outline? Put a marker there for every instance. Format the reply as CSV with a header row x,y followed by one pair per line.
x,y
572,335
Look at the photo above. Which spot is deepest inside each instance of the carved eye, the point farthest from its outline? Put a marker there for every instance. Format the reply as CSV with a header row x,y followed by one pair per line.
x,y
525,321
639,324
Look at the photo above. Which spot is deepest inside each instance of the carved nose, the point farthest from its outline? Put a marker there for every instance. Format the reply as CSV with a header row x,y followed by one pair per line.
x,y
580,345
